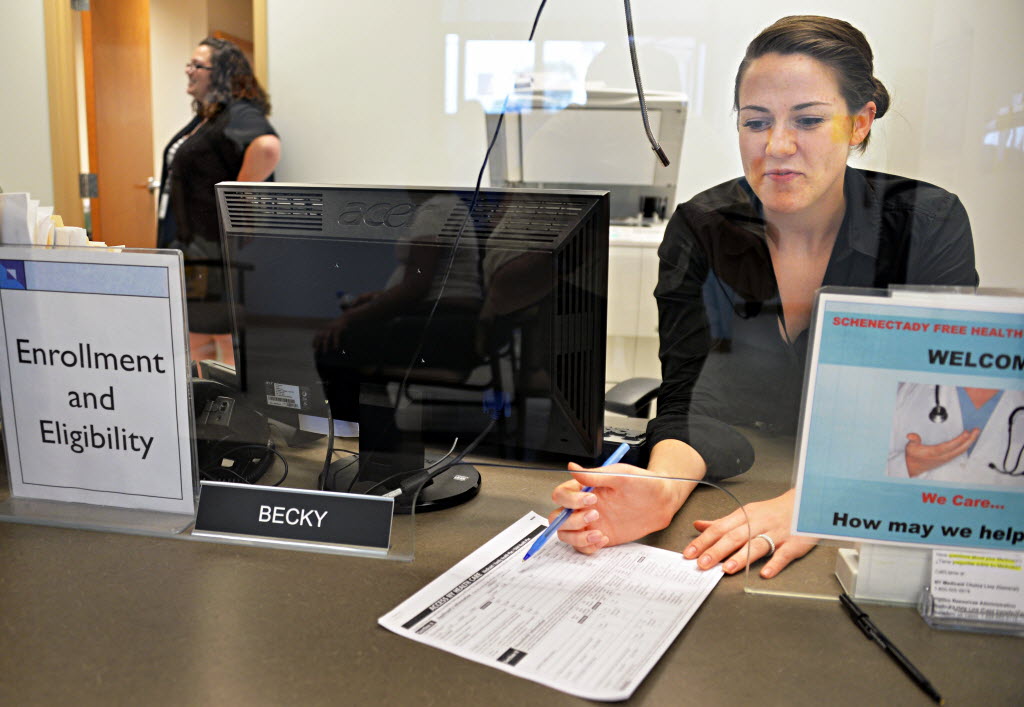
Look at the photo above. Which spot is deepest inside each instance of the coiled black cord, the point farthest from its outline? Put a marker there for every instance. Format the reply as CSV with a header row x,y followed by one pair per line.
x,y
640,89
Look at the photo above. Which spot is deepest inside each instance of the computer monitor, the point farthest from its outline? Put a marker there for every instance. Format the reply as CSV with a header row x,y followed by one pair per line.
x,y
418,323
549,143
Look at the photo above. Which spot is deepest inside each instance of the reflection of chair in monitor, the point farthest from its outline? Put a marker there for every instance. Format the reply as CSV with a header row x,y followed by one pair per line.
x,y
600,144
520,315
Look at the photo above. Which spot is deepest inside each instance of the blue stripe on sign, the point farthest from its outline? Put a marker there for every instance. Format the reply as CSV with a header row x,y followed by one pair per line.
x,y
97,278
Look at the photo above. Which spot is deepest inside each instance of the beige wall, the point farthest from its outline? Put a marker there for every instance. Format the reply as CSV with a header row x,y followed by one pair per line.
x,y
176,26
24,116
359,90
231,16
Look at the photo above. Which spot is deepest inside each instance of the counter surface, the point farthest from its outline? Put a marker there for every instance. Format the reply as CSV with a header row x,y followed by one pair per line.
x,y
102,618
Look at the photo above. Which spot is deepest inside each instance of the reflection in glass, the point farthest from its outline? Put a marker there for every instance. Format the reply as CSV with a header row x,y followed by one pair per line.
x,y
420,324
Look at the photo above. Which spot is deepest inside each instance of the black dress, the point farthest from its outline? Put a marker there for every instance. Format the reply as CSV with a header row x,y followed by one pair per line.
x,y
724,361
188,210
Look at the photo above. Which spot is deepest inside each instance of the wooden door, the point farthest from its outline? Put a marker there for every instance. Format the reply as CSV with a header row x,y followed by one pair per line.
x,y
119,115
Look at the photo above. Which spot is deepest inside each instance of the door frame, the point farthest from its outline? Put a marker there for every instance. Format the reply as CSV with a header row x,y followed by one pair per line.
x,y
65,157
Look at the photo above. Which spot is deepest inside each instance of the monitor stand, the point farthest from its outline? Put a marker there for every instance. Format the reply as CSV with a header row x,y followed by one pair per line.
x,y
449,488
387,453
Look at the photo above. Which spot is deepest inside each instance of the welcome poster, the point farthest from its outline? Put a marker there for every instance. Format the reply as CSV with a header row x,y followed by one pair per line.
x,y
913,427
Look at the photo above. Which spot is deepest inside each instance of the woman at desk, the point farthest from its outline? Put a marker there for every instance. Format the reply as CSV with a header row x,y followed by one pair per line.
x,y
748,256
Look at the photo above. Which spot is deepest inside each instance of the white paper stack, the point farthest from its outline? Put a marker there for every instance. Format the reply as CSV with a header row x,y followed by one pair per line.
x,y
17,218
69,235
24,222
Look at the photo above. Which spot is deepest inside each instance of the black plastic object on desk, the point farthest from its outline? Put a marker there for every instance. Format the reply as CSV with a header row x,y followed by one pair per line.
x,y
232,438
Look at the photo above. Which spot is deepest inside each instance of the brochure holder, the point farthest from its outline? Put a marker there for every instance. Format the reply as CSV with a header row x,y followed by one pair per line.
x,y
883,573
977,624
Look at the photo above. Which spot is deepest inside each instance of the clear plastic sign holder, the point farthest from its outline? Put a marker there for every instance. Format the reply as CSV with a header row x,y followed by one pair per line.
x,y
95,389
967,590
900,573
72,291
87,516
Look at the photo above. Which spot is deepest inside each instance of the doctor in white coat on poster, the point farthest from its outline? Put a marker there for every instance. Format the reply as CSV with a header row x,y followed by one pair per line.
x,y
959,434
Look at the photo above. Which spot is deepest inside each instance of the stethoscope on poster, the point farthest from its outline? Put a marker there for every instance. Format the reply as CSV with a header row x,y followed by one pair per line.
x,y
939,415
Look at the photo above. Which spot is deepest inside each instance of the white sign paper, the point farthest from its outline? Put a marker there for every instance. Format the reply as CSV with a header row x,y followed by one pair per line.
x,y
93,377
897,389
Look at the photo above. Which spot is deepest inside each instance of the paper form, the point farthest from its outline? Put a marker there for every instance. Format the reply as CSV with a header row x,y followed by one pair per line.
x,y
589,625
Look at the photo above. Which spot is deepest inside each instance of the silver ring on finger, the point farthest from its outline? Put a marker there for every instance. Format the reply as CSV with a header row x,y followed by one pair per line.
x,y
771,544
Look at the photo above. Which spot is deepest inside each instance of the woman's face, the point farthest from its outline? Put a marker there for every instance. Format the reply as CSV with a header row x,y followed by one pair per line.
x,y
795,133
198,70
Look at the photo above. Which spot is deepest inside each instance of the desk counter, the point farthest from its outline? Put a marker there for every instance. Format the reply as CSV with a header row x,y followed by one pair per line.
x,y
102,618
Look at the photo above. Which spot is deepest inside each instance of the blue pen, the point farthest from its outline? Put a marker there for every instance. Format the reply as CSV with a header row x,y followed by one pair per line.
x,y
566,512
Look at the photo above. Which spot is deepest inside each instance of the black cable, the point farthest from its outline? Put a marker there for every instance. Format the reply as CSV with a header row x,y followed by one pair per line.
x,y
210,473
536,19
400,474
417,480
511,466
454,251
640,89
269,448
472,445
465,221
335,471
330,446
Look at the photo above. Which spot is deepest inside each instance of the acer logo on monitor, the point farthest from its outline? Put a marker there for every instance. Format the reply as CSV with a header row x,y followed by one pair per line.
x,y
382,213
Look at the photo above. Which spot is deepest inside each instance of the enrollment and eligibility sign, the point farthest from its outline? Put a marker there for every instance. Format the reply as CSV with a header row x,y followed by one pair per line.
x,y
93,378
913,428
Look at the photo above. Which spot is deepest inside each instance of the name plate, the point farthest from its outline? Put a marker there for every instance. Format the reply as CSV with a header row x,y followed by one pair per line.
x,y
293,516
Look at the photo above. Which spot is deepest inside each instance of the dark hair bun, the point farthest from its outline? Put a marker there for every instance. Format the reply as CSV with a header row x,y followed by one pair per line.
x,y
881,98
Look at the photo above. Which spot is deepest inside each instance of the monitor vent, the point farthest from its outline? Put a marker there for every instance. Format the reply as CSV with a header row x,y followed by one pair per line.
x,y
274,210
581,308
518,221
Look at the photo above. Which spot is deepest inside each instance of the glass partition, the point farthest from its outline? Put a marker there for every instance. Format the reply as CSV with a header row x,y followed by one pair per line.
x,y
431,100
422,107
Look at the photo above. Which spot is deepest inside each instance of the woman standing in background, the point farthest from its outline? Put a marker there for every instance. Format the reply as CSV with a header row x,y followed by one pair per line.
x,y
228,139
